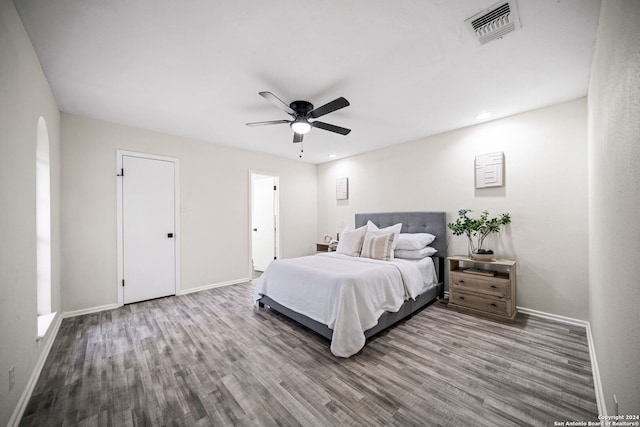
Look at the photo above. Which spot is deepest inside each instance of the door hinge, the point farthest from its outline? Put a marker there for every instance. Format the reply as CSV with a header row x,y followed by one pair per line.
x,y
275,188
121,172
275,257
122,282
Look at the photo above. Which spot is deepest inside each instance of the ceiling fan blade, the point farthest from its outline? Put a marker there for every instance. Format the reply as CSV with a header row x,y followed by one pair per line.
x,y
297,137
277,102
331,128
334,105
270,122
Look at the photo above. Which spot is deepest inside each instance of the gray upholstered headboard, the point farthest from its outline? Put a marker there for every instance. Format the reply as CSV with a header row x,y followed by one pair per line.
x,y
413,222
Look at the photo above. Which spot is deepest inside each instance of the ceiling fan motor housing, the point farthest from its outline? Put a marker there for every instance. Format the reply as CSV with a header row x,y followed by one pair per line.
x,y
302,108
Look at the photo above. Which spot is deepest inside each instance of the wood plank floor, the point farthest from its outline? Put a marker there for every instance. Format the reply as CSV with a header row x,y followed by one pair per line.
x,y
212,358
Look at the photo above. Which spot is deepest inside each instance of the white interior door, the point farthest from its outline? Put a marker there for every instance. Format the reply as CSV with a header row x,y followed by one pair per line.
x,y
148,226
264,221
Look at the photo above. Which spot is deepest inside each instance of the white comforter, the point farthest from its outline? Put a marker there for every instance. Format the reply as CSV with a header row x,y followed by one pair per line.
x,y
348,294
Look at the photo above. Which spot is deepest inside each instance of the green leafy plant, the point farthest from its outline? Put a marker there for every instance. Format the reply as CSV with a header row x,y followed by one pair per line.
x,y
477,228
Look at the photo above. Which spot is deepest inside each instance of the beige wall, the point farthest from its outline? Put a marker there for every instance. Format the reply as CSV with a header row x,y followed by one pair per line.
x,y
614,203
545,193
214,191
25,96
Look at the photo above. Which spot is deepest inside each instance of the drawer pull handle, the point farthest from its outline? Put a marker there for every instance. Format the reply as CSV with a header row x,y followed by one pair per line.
x,y
461,297
461,281
493,305
493,286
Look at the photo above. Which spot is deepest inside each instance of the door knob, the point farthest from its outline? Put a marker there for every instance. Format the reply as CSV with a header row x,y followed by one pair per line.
x,y
255,229
169,235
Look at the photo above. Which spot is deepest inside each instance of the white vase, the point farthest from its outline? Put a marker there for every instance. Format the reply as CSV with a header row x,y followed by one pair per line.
x,y
483,257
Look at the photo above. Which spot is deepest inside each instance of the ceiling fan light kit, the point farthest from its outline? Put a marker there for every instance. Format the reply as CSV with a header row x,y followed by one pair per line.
x,y
301,112
301,126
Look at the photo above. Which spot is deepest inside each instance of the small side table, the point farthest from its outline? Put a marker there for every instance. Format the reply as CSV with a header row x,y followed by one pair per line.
x,y
322,247
487,288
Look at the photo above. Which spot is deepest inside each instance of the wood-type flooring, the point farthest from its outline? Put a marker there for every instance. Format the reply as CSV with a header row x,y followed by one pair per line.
x,y
213,359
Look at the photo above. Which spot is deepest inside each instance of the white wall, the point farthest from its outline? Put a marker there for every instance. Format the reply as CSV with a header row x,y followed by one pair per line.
x,y
614,203
214,191
545,193
25,96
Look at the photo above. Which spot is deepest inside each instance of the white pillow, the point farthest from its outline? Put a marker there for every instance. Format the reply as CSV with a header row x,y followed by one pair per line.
x,y
415,254
395,229
413,241
350,242
377,245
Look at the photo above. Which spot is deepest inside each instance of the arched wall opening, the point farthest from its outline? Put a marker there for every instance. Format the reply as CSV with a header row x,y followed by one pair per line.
x,y
43,228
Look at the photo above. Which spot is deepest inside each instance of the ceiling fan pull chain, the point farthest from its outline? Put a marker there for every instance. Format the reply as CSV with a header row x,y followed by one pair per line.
x,y
301,149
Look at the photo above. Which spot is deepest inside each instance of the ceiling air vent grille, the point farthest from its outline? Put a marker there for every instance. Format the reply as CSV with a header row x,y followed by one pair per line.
x,y
494,22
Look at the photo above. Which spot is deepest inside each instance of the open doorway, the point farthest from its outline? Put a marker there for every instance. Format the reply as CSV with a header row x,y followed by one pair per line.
x,y
265,240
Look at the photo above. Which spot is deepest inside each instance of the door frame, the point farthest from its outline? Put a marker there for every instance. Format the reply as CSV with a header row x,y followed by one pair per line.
x,y
250,222
119,224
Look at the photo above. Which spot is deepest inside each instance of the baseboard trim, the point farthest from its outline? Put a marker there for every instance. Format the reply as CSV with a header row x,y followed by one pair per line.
x,y
212,286
556,317
47,340
89,310
597,383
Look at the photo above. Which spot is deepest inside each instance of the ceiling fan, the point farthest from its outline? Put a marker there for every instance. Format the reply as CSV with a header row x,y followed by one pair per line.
x,y
302,111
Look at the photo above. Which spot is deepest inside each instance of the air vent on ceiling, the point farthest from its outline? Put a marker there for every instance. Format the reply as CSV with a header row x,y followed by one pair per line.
x,y
494,22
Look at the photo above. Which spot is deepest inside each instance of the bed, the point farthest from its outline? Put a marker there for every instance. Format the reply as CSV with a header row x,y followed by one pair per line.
x,y
348,299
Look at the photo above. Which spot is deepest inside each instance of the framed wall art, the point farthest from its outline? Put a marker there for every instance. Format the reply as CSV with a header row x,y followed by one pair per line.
x,y
489,170
342,188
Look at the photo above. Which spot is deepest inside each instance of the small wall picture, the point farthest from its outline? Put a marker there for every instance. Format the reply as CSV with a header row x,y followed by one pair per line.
x,y
342,188
490,170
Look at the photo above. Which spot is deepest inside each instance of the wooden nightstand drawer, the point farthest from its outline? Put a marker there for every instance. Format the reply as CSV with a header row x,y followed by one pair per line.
x,y
480,302
491,285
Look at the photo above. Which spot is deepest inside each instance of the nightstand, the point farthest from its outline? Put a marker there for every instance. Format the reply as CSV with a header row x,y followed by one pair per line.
x,y
322,247
486,288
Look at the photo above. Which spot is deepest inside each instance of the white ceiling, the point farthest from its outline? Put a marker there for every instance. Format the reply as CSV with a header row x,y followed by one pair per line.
x,y
409,67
